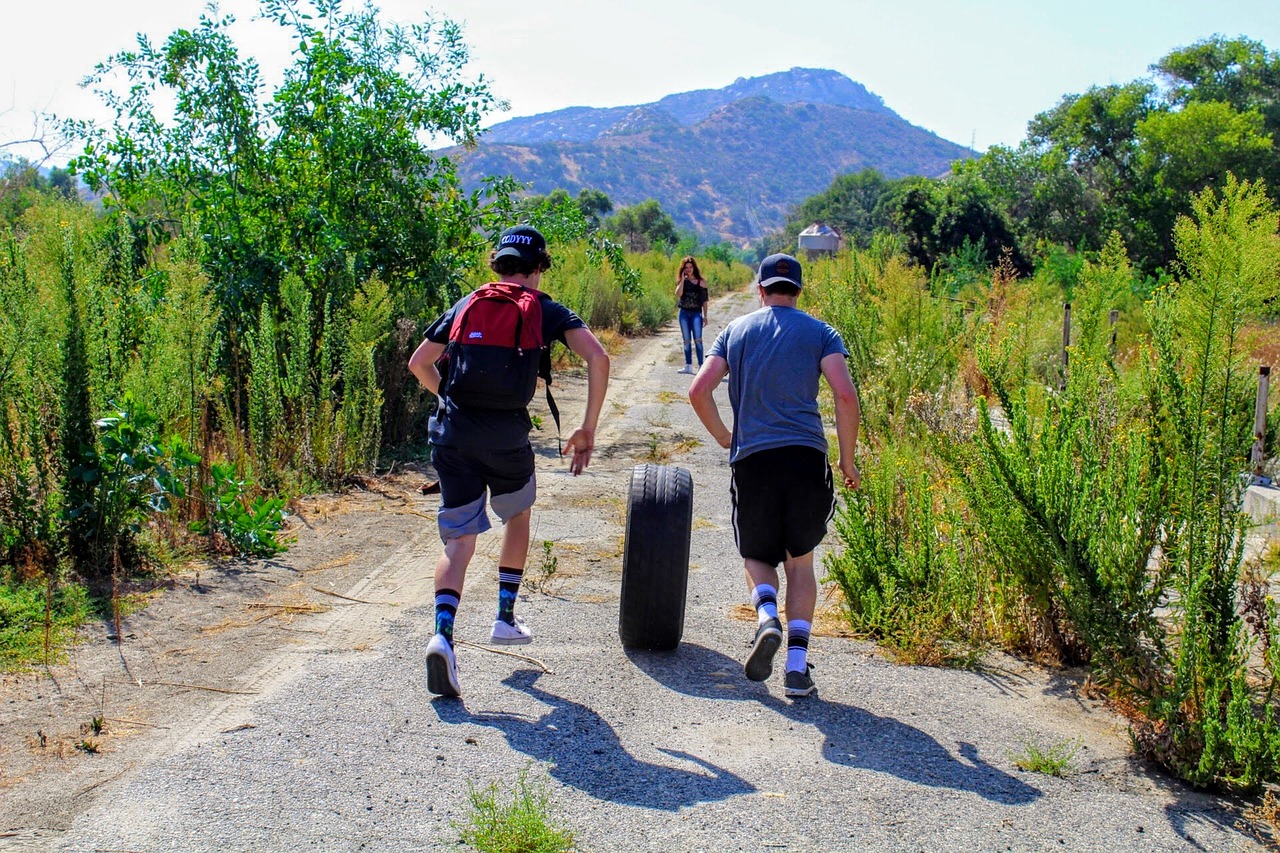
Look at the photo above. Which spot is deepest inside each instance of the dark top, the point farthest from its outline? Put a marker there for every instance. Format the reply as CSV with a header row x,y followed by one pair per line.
x,y
453,426
694,296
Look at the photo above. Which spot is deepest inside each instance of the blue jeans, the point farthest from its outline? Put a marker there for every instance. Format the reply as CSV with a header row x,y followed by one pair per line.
x,y
691,329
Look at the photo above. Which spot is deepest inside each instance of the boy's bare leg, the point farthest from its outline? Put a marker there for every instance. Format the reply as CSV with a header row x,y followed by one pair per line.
x,y
760,573
515,541
451,568
802,587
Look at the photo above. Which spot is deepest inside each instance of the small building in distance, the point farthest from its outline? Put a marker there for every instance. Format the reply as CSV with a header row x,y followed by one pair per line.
x,y
819,239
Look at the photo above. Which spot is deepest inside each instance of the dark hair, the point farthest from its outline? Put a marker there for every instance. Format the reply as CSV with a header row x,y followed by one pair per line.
x,y
688,259
513,265
782,288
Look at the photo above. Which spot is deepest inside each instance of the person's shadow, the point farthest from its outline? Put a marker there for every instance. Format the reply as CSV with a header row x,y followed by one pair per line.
x,y
582,750
854,737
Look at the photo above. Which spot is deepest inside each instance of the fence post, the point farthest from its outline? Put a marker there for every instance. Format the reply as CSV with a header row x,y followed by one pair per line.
x,y
1066,340
1259,455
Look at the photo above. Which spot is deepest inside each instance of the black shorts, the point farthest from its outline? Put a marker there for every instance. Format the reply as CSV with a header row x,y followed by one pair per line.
x,y
467,474
783,499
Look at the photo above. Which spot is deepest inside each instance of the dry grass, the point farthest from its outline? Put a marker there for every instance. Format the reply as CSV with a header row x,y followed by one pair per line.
x,y
286,611
612,340
685,444
337,563
1262,821
828,617
667,397
1262,340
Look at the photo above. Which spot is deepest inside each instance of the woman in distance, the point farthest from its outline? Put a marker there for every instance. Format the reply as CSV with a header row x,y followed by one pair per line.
x,y
691,299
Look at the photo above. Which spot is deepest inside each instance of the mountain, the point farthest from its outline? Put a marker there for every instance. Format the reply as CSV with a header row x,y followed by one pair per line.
x,y
725,163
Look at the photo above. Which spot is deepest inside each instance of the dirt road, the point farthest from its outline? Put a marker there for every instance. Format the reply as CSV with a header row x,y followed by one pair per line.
x,y
281,704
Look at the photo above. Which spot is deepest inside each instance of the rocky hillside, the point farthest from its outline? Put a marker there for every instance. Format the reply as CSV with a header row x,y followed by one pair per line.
x,y
726,163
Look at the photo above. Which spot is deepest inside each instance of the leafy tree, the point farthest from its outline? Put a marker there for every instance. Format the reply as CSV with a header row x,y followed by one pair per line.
x,y
1240,72
1044,198
1129,156
939,218
22,184
1184,151
328,177
644,226
851,204
594,204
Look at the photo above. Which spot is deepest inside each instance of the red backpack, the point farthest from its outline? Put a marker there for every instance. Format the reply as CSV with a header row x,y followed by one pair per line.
x,y
496,352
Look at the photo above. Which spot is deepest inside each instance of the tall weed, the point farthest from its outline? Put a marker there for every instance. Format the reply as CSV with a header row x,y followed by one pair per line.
x,y
1212,718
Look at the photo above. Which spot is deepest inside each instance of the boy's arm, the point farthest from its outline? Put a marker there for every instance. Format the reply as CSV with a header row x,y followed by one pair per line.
x,y
714,369
583,440
422,364
848,414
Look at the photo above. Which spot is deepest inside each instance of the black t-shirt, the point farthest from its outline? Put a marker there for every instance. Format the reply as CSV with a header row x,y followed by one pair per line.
x,y
693,296
453,426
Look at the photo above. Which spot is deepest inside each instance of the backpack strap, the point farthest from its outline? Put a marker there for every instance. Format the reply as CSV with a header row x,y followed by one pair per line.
x,y
544,370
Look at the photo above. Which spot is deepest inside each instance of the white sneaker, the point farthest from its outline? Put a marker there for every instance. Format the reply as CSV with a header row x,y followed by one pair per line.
x,y
510,635
685,369
442,668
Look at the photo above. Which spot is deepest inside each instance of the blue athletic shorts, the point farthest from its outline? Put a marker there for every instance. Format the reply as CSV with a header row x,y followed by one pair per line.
x,y
466,475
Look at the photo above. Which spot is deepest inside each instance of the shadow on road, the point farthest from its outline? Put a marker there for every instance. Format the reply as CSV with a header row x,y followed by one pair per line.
x,y
854,737
585,752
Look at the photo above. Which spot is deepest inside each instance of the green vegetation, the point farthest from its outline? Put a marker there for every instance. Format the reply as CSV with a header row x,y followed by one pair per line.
x,y
37,619
1052,760
519,821
233,326
1084,513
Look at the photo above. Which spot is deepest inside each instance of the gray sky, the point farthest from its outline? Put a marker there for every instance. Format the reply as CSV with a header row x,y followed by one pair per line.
x,y
973,71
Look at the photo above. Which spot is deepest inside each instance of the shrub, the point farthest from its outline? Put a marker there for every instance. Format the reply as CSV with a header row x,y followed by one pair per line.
x,y
249,526
518,823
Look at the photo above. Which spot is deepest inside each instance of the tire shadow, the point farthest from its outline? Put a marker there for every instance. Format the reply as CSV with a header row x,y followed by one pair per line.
x,y
853,737
583,751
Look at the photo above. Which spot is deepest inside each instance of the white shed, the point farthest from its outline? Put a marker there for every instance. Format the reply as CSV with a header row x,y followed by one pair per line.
x,y
819,238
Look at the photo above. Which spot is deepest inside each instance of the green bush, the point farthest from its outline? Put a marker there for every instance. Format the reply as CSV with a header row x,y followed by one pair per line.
x,y
127,478
250,526
904,569
37,619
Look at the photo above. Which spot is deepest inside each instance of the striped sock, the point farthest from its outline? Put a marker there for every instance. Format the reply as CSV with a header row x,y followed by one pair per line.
x,y
764,599
797,644
446,609
508,588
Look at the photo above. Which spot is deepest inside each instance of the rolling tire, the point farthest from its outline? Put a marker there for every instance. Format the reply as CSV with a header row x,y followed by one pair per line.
x,y
655,558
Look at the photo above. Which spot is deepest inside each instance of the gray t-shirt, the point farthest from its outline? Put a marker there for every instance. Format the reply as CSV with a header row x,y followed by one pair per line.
x,y
775,356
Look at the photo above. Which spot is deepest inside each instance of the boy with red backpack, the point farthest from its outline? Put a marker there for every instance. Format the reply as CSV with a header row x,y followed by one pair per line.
x,y
482,359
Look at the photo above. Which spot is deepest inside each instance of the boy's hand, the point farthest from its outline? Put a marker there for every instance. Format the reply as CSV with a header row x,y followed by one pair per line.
x,y
852,476
582,442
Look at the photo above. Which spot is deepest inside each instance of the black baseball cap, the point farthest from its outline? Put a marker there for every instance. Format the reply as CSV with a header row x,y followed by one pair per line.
x,y
521,241
776,269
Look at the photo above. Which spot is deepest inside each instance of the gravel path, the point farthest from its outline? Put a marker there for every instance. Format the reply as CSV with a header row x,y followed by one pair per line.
x,y
342,748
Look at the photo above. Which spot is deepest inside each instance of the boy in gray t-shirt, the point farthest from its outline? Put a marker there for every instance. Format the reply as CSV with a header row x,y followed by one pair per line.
x,y
782,490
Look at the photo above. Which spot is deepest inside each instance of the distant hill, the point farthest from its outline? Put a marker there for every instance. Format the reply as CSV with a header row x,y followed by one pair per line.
x,y
726,163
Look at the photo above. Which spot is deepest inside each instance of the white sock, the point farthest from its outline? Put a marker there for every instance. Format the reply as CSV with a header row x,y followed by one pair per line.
x,y
798,644
764,598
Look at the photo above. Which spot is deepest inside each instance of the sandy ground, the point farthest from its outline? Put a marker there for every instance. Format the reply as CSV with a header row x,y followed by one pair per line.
x,y
280,704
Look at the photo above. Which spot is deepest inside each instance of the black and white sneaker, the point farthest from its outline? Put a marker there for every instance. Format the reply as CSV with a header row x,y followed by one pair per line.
x,y
759,664
799,683
442,668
